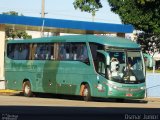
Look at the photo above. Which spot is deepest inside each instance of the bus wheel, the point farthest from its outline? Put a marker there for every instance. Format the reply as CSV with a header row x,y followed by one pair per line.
x,y
86,92
27,89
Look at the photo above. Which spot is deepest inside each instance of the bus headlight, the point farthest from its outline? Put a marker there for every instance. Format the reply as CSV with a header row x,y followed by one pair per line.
x,y
112,86
142,88
115,87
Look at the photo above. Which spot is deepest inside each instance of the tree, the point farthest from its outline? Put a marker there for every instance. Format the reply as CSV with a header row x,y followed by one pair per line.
x,y
150,43
142,14
11,33
10,13
145,1
90,6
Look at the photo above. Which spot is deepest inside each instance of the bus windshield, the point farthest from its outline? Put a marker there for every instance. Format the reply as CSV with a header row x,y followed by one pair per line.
x,y
126,67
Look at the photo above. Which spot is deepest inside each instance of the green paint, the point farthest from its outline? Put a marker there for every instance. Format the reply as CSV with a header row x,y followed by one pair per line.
x,y
65,77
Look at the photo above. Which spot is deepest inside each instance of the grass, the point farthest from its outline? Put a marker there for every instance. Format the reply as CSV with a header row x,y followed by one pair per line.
x,y
151,71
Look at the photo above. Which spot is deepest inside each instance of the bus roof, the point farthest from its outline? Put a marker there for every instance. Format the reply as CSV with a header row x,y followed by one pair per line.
x,y
105,40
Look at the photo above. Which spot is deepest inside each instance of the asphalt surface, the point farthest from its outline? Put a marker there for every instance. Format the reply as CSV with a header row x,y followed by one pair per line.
x,y
48,107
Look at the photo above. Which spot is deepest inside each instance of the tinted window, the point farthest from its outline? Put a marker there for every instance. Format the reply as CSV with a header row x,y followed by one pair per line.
x,y
37,51
18,51
73,51
44,51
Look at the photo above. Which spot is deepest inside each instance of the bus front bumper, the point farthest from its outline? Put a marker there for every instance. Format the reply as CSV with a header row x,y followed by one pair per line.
x,y
128,94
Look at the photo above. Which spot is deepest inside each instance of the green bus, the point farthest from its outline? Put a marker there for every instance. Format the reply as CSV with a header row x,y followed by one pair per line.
x,y
85,65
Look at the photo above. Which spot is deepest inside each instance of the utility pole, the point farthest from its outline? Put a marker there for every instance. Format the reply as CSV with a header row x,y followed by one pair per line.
x,y
43,8
42,16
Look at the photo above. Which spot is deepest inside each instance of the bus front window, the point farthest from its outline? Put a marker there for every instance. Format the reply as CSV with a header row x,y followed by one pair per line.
x,y
117,64
126,67
134,70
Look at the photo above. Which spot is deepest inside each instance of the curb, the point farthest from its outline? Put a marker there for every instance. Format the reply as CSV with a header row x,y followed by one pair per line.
x,y
153,99
7,91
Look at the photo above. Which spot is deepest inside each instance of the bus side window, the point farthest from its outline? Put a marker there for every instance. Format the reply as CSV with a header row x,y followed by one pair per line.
x,y
67,51
62,51
37,51
52,52
33,54
56,51
10,51
44,52
72,51
16,52
24,54
82,53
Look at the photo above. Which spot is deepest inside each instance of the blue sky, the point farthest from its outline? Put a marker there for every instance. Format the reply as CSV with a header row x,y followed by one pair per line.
x,y
59,9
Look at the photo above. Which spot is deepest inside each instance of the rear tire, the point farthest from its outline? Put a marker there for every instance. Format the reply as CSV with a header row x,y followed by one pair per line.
x,y
27,89
86,93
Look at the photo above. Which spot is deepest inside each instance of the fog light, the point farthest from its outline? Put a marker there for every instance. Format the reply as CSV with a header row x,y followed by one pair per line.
x,y
142,88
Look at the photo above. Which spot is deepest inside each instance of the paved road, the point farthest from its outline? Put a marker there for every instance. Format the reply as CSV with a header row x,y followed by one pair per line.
x,y
16,107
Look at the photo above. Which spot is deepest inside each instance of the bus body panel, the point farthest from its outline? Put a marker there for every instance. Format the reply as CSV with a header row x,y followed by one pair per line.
x,y
66,76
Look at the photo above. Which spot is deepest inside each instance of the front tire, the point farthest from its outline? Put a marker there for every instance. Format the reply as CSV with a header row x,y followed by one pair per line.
x,y
86,93
27,89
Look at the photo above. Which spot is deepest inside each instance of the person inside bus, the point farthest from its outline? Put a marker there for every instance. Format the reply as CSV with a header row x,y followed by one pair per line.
x,y
37,52
128,71
16,52
114,66
82,52
48,52
42,52
62,52
10,51
130,64
42,55
24,53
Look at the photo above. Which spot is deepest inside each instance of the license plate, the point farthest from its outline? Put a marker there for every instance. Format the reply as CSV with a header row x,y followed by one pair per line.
x,y
129,95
